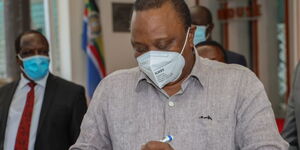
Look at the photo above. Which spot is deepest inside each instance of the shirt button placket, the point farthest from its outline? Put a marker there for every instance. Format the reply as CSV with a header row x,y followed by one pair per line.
x,y
170,106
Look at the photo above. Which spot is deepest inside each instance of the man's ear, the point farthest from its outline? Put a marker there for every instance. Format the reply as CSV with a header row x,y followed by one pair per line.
x,y
211,26
210,29
191,35
19,62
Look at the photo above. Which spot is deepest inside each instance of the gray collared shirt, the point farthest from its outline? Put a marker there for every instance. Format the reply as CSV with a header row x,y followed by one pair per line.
x,y
219,107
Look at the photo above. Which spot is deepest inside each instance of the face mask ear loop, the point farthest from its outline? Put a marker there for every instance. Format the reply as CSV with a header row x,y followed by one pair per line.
x,y
186,38
206,27
21,67
207,36
20,57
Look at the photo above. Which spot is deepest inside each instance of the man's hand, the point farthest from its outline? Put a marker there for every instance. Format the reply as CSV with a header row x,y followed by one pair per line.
x,y
155,145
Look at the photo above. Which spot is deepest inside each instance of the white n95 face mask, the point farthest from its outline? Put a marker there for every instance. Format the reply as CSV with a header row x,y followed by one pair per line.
x,y
162,67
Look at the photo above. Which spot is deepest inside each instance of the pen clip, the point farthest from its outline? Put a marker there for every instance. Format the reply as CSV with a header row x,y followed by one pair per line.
x,y
167,139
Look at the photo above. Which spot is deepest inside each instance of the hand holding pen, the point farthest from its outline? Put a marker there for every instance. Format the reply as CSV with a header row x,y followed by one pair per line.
x,y
159,145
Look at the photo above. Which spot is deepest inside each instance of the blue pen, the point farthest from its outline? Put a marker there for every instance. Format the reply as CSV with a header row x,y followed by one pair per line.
x,y
167,139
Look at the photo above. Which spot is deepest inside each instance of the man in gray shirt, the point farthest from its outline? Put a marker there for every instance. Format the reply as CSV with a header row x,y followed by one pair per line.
x,y
203,104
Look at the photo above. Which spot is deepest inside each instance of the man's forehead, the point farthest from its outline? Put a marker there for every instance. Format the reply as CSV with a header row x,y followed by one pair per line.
x,y
199,20
156,20
166,12
32,38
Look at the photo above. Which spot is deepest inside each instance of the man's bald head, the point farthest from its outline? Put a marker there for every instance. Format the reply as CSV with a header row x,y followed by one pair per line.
x,y
201,15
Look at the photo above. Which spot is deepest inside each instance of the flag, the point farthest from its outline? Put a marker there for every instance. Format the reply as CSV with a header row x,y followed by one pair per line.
x,y
93,46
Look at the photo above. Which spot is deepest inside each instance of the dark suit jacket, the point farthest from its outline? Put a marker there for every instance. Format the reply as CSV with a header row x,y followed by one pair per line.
x,y
62,111
291,130
235,58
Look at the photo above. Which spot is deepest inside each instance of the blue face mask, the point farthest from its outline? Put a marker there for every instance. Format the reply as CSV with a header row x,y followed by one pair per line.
x,y
35,67
200,34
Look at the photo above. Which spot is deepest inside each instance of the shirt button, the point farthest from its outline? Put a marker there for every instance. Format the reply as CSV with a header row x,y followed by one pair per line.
x,y
171,104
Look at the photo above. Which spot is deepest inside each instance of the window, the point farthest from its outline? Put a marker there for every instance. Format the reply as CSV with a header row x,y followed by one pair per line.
x,y
37,15
2,43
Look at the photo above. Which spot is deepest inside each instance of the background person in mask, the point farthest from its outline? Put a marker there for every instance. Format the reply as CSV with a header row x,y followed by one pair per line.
x,y
202,19
203,104
40,111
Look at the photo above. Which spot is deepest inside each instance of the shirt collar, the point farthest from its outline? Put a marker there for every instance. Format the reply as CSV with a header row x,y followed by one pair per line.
x,y
199,72
24,81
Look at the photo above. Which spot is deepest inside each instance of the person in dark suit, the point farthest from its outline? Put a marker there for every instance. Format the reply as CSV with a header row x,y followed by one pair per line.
x,y
213,50
202,19
291,130
40,111
235,58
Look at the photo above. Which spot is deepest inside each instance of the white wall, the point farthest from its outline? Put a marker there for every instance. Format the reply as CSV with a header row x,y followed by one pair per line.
x,y
78,55
73,61
294,18
268,50
117,48
239,33
64,37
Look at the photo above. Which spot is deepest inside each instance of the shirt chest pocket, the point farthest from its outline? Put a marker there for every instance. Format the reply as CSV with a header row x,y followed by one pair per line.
x,y
215,130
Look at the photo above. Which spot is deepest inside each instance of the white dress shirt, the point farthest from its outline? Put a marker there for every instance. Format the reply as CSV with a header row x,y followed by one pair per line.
x,y
16,111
